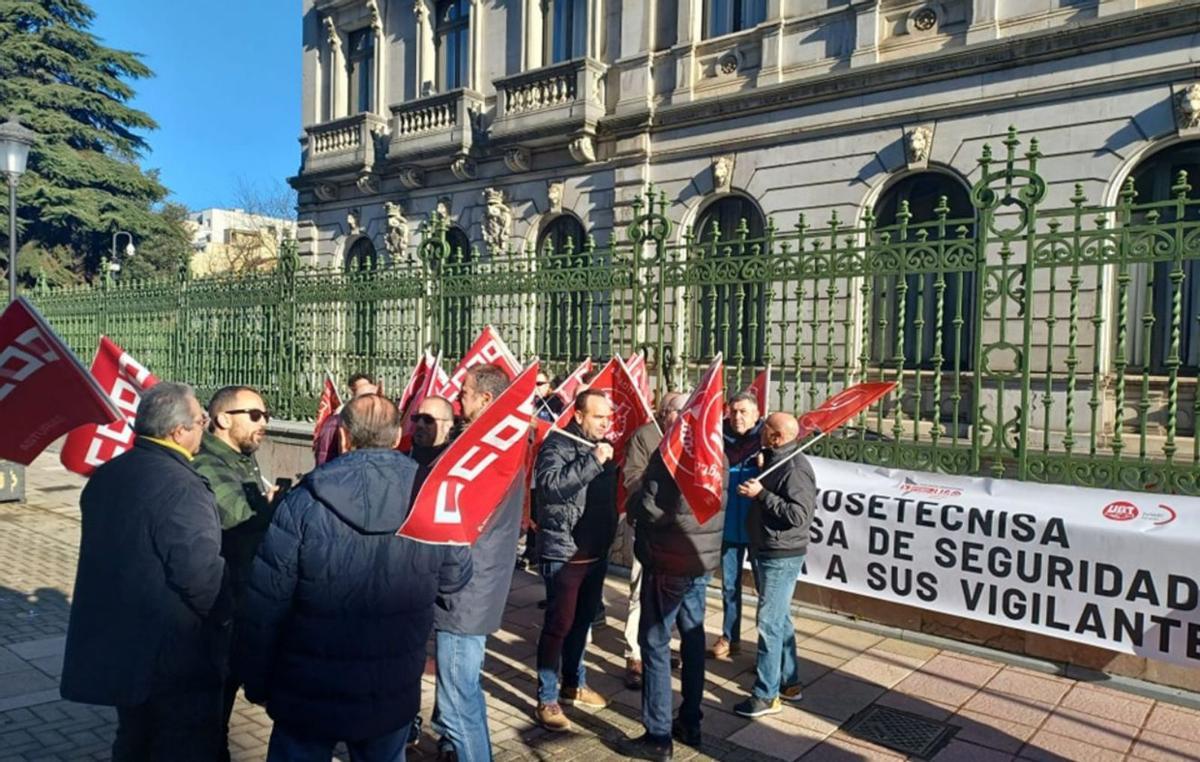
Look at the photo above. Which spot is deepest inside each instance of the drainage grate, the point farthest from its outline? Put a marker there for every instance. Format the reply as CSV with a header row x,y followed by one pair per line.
x,y
905,732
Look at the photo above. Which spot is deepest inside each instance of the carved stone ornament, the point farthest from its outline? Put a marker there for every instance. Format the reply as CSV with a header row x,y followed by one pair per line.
x,y
376,20
554,194
918,143
331,33
411,177
517,159
420,10
722,173
583,149
1187,109
398,230
463,167
326,191
497,220
442,207
924,19
368,183
354,221
728,63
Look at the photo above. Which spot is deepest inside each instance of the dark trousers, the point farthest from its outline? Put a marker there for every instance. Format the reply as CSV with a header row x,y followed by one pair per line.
x,y
666,601
285,746
177,726
573,592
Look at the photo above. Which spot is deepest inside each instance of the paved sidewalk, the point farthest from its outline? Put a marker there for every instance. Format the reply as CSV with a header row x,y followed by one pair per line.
x,y
996,712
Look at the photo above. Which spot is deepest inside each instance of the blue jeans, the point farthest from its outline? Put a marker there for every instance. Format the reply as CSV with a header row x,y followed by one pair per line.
x,y
667,600
285,746
776,580
732,558
573,593
459,708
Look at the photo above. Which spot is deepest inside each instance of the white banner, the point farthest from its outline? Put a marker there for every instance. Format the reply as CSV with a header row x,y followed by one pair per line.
x,y
1112,569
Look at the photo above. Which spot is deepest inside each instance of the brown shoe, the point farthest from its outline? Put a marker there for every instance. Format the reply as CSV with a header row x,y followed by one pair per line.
x,y
720,649
551,717
633,674
585,697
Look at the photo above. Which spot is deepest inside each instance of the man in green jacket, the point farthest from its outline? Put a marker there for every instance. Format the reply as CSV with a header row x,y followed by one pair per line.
x,y
238,424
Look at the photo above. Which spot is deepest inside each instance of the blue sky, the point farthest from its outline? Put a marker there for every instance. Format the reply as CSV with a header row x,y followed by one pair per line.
x,y
226,91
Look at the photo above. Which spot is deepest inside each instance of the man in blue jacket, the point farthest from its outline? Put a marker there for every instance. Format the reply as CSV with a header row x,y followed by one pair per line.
x,y
743,439
338,608
150,617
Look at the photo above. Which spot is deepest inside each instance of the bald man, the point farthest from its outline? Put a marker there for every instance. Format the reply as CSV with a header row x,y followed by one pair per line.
x,y
778,524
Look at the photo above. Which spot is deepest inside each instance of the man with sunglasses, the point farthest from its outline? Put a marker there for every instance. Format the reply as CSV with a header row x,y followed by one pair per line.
x,y
238,420
431,428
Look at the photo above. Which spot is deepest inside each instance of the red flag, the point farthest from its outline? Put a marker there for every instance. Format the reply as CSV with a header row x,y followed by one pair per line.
x,y
641,378
418,378
482,462
761,389
125,379
693,450
432,381
488,348
567,390
329,402
44,390
843,406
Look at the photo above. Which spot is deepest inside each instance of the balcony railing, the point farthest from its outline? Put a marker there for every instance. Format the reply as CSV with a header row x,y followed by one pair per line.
x,y
436,125
555,100
342,144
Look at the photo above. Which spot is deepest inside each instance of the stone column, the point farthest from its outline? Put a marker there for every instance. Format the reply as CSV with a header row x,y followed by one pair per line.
x,y
533,46
335,71
377,97
771,70
595,29
691,13
475,64
866,50
983,22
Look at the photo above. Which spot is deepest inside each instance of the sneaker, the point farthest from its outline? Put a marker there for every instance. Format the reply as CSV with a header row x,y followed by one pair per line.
x,y
688,736
756,707
583,696
791,692
647,746
722,648
551,717
633,674
414,732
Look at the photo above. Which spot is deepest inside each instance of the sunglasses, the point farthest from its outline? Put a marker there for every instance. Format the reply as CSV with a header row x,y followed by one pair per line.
x,y
426,419
255,414
542,383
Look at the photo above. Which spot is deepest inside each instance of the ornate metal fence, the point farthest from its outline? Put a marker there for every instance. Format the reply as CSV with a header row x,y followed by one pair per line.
x,y
1051,344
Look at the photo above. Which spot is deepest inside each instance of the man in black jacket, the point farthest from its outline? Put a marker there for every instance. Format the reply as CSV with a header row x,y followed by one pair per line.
x,y
149,621
576,481
465,619
338,608
678,556
778,525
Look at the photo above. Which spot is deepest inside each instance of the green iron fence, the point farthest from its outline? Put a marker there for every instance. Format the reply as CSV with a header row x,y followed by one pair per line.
x,y
1048,344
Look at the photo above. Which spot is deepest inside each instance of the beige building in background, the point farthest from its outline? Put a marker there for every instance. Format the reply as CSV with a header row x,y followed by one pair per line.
x,y
233,240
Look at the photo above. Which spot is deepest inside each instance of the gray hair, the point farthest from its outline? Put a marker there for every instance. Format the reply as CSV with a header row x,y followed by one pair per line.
x,y
163,408
371,421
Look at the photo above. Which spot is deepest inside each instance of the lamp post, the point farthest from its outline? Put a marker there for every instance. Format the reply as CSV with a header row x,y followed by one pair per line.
x,y
114,264
15,142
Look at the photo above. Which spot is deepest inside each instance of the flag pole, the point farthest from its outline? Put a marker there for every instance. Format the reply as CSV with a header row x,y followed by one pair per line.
x,y
799,450
569,435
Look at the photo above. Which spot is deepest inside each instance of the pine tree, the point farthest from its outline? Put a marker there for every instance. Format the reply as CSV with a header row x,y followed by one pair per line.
x,y
83,182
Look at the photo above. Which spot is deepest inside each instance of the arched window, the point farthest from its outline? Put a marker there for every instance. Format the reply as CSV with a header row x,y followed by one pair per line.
x,y
1151,290
454,310
566,29
361,262
729,16
570,321
730,313
452,38
912,301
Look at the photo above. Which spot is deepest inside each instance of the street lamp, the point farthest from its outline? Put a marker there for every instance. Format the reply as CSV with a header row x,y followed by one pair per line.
x,y
114,264
15,142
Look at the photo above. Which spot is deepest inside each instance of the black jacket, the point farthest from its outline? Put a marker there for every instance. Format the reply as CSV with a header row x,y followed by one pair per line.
x,y
338,609
667,537
781,515
478,609
577,500
149,614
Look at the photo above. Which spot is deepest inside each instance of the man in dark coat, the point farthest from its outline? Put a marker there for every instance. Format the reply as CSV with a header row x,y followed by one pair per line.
x,y
784,502
464,620
576,480
338,609
678,555
149,620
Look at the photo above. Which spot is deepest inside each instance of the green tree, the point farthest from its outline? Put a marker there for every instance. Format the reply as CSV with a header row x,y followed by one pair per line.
x,y
84,181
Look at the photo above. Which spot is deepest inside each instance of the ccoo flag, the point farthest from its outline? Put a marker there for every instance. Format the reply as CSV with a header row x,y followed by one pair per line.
x,y
471,478
843,406
693,448
44,390
329,402
488,348
125,379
